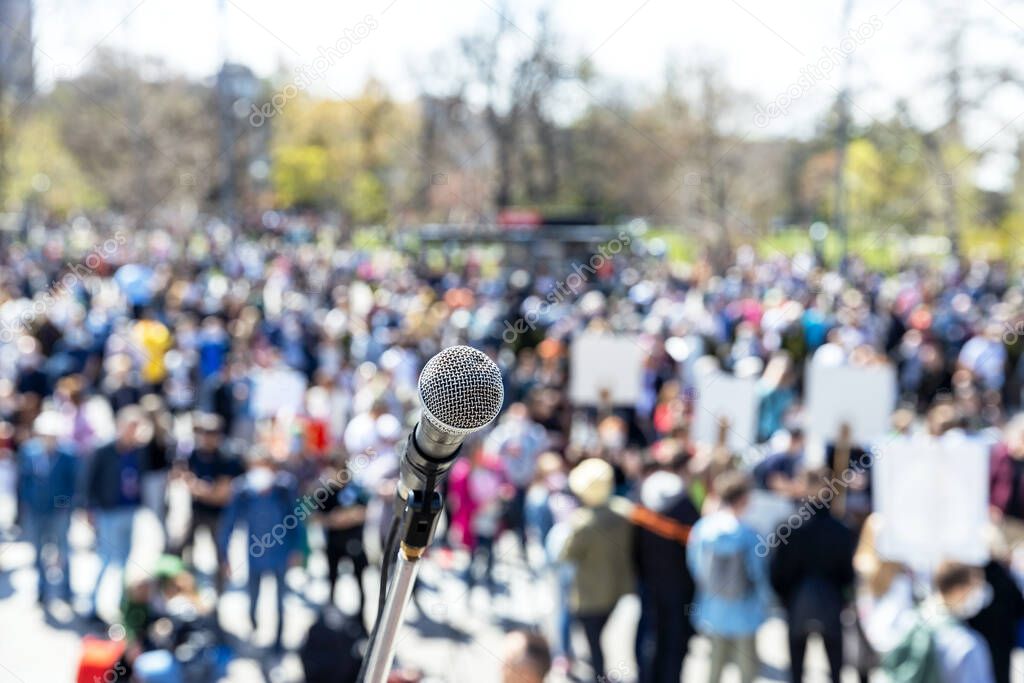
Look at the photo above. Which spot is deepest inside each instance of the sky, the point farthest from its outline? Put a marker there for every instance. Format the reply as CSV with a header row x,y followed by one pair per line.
x,y
786,53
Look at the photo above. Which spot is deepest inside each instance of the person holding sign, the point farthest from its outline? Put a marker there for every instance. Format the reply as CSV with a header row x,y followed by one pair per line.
x,y
813,576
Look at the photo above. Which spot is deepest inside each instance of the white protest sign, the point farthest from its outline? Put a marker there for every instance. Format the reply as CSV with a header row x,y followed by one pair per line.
x,y
720,396
277,390
606,367
861,396
932,496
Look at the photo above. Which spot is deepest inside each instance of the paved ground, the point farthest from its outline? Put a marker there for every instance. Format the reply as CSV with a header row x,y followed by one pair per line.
x,y
456,638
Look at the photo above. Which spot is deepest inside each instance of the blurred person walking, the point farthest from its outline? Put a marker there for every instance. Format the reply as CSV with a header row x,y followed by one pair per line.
x,y
476,490
733,593
343,515
517,441
599,548
938,646
999,621
152,340
666,587
114,491
158,456
1006,483
208,473
264,501
47,485
812,573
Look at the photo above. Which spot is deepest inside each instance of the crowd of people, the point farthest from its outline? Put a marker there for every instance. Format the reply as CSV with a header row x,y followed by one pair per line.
x,y
272,375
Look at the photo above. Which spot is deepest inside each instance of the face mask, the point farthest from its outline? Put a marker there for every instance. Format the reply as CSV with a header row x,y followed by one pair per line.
x,y
260,478
975,601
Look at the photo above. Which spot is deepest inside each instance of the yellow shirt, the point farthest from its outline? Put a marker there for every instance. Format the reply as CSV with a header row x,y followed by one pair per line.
x,y
154,339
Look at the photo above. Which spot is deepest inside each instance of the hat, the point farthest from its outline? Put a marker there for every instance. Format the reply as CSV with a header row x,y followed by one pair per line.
x,y
660,490
591,481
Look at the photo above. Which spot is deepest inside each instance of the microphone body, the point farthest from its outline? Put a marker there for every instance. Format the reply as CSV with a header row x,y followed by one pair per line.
x,y
461,392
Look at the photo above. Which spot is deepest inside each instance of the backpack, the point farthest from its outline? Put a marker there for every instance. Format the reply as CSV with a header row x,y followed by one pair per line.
x,y
728,578
915,658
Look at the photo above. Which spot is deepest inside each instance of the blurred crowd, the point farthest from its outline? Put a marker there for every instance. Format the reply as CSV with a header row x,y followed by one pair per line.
x,y
272,375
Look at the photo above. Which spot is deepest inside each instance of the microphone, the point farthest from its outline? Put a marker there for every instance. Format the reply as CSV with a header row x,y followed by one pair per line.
x,y
461,392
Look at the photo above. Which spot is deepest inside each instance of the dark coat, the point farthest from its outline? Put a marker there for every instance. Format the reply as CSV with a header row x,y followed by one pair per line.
x,y
661,562
103,478
998,621
812,571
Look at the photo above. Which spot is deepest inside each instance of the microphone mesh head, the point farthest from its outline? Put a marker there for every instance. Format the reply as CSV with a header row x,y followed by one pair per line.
x,y
461,390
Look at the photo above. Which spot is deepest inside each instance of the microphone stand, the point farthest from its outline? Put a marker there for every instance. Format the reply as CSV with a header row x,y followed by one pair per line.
x,y
417,522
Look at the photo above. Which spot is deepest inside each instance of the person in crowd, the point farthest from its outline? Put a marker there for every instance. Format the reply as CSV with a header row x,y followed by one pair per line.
x,y
812,573
363,432
517,441
158,456
114,492
1006,482
208,473
120,385
343,516
599,548
70,402
848,462
47,491
776,395
152,340
549,481
477,490
264,501
527,658
960,594
666,587
733,592
998,622
779,471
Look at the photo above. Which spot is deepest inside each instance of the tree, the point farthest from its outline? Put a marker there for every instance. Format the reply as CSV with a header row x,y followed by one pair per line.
x,y
45,173
144,141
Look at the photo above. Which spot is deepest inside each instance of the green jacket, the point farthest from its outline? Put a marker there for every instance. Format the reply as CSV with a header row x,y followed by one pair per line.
x,y
600,547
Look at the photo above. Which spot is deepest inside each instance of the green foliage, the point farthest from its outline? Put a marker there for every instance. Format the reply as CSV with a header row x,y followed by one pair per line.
x,y
334,155
366,199
44,171
300,176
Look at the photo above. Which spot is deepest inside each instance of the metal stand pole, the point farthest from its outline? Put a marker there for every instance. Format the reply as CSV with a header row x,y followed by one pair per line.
x,y
382,652
417,512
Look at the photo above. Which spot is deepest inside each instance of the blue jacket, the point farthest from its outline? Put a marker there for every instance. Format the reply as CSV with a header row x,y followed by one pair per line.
x,y
46,482
273,519
733,592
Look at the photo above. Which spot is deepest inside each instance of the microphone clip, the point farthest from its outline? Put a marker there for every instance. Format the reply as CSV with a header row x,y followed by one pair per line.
x,y
418,503
419,520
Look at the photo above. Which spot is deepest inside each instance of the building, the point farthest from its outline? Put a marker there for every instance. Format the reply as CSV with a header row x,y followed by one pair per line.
x,y
17,73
